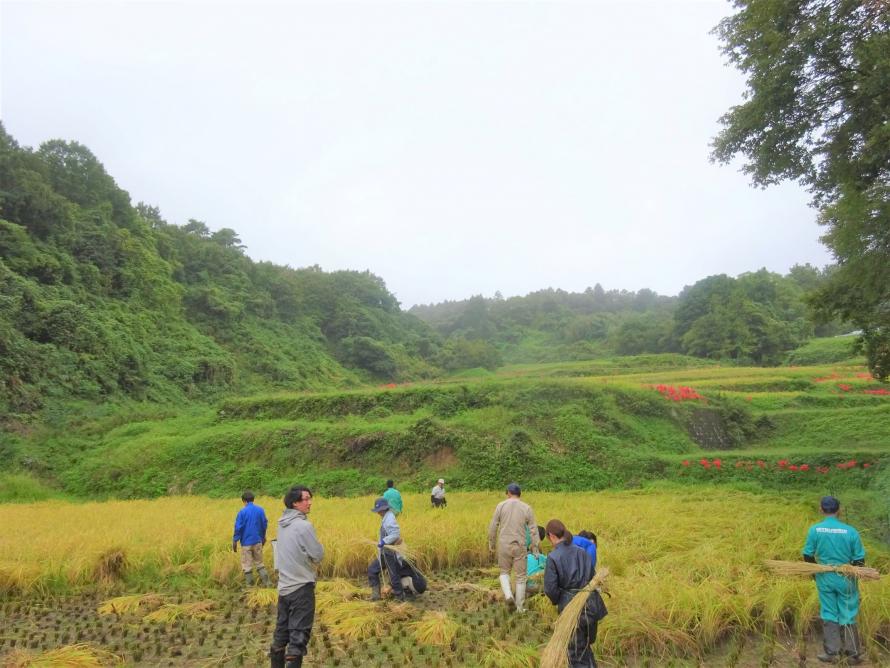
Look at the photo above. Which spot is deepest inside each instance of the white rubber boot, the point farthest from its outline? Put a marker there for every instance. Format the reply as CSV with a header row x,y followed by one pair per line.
x,y
520,597
505,587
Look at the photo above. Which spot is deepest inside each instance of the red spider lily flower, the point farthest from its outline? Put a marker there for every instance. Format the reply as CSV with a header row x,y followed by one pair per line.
x,y
793,467
804,467
866,465
864,376
881,392
783,463
705,463
685,462
824,469
761,463
718,463
843,387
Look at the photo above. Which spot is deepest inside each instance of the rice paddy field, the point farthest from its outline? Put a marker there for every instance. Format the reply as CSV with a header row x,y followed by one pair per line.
x,y
154,583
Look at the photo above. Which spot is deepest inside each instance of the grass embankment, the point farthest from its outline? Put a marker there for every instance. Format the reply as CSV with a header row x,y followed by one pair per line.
x,y
568,426
687,564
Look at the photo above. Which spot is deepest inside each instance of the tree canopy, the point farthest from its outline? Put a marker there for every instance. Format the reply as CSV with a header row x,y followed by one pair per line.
x,y
817,110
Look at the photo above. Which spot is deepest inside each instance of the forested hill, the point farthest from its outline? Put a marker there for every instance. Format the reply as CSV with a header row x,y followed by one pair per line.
x,y
102,299
755,318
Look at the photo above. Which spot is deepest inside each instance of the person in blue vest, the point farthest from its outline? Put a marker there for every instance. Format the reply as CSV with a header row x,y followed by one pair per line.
x,y
250,531
393,497
834,543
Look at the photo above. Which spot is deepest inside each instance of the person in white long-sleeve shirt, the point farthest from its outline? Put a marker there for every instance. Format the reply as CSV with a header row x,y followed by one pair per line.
x,y
298,554
437,495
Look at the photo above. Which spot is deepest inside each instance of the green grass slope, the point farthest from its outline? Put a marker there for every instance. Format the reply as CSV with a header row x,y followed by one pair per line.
x,y
616,423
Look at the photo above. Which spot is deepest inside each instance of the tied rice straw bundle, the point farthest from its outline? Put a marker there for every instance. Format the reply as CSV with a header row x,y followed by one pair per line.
x,y
793,568
556,653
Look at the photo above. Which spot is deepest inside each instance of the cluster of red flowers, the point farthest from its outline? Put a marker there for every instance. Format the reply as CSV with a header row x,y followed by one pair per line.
x,y
783,464
846,387
389,386
825,378
678,394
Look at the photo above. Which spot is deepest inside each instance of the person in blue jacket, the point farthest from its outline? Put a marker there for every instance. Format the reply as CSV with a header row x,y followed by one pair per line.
x,y
586,540
250,531
834,543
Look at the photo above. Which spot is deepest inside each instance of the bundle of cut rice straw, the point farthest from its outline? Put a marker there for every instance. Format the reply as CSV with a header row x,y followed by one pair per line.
x,y
556,653
806,568
413,558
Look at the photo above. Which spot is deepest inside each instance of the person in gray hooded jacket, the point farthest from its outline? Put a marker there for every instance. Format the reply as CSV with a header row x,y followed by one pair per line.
x,y
298,555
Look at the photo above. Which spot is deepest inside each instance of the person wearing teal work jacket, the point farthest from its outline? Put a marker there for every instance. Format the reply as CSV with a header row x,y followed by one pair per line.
x,y
834,543
393,498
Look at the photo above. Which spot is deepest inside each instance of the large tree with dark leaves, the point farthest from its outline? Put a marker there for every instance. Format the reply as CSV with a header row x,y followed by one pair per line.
x,y
817,110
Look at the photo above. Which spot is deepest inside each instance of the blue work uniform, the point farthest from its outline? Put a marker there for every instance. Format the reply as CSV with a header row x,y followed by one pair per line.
x,y
834,543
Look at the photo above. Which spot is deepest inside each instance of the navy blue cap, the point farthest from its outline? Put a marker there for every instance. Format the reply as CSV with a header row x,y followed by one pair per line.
x,y
514,489
380,505
829,504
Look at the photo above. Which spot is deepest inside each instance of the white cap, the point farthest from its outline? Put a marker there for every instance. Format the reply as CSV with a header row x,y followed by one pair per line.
x,y
442,480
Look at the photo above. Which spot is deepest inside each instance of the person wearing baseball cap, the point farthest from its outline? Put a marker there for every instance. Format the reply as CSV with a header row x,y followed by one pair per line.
x,y
437,496
390,534
834,543
512,522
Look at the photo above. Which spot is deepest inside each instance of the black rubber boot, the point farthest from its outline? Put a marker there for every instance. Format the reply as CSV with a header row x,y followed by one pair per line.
x,y
264,575
248,578
294,662
852,644
831,643
276,658
375,592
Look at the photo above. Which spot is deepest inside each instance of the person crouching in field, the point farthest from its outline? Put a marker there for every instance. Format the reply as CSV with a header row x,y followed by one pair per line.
x,y
437,496
390,534
250,531
512,521
586,540
299,554
834,543
569,570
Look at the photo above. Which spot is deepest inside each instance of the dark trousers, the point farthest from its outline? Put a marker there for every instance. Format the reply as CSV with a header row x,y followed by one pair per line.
x,y
580,653
296,614
438,503
392,565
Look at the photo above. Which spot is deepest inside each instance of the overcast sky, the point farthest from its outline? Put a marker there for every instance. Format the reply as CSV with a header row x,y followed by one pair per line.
x,y
452,148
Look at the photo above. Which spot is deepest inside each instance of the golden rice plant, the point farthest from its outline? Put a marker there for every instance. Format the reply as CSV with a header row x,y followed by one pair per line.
x,y
111,564
70,656
555,654
435,628
503,654
122,605
170,612
542,605
261,597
